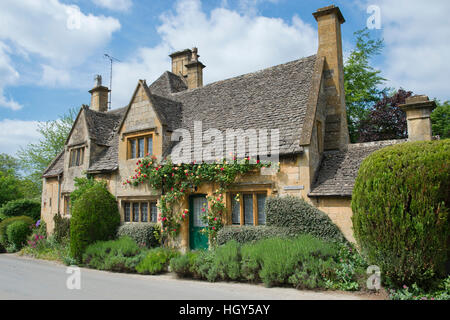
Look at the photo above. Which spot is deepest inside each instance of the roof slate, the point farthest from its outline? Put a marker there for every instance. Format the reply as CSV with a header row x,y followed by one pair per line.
x,y
339,169
56,167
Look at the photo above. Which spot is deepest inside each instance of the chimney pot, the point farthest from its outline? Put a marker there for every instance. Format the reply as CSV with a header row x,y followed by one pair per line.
x,y
99,95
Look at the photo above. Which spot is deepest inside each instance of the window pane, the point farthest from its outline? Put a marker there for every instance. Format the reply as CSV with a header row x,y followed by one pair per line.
x,y
78,157
150,145
261,207
200,207
133,148
81,155
141,148
248,209
144,212
135,212
153,212
235,210
127,211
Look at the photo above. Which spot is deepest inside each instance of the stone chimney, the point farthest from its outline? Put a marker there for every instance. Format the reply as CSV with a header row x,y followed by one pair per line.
x,y
186,65
329,20
99,96
418,110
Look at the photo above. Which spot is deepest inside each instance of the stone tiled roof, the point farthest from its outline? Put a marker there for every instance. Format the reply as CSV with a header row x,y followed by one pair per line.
x,y
56,167
339,169
105,134
273,98
167,84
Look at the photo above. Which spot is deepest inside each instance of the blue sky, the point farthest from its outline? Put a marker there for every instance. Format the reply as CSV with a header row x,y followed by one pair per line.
x,y
50,50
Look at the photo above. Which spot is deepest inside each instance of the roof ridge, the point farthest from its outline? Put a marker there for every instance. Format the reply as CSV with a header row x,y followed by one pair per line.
x,y
245,75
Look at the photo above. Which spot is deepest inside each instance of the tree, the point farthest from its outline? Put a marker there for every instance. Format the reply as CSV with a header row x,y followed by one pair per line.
x,y
361,81
36,157
8,164
440,119
386,121
9,188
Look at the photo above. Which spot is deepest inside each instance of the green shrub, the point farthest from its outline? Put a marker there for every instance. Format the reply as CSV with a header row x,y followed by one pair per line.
x,y
22,207
275,260
222,263
95,217
244,234
156,261
4,225
184,265
400,209
17,234
299,217
145,234
122,255
62,228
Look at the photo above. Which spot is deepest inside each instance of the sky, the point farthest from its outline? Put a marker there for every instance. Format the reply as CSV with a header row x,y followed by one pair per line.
x,y
51,50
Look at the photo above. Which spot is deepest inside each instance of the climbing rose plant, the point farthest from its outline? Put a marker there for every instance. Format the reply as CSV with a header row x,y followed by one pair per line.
x,y
175,181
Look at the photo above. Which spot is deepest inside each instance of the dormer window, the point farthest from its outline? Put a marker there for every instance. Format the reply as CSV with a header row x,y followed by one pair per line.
x,y
139,146
76,157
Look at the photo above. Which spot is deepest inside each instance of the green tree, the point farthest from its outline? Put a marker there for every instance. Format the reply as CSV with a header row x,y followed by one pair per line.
x,y
35,157
440,119
361,80
8,164
9,188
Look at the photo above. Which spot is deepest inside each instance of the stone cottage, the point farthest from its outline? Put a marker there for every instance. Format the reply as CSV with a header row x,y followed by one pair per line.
x,y
304,99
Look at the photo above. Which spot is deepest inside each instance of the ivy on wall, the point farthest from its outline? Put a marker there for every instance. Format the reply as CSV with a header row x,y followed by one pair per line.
x,y
175,181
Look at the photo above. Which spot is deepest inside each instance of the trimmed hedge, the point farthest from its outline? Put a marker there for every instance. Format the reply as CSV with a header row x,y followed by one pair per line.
x,y
145,234
95,217
286,217
4,225
17,234
401,210
22,207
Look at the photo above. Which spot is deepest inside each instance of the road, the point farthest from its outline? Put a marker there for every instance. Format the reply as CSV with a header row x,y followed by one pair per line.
x,y
30,279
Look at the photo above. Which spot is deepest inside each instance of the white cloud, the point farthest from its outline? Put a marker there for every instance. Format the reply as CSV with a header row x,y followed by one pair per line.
x,y
57,36
229,43
16,133
417,48
116,5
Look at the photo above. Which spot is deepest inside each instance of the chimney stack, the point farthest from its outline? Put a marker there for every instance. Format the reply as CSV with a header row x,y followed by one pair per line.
x,y
418,110
329,20
99,96
186,65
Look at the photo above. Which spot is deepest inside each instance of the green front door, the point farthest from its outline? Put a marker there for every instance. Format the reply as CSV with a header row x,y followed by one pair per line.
x,y
197,207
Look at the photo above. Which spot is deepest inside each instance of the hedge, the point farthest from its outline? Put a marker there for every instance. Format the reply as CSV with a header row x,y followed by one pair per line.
x,y
22,207
145,234
401,210
17,234
62,228
4,225
286,217
95,217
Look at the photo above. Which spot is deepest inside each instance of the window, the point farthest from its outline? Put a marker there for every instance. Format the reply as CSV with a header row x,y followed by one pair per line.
x,y
140,146
67,205
138,211
76,157
247,208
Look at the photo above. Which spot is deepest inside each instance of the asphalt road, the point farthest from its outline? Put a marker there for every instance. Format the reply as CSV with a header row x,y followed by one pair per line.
x,y
26,278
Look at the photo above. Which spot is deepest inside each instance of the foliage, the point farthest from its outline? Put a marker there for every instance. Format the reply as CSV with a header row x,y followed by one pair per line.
x,y
36,157
244,234
361,80
175,181
122,255
82,185
156,261
145,234
9,188
400,209
22,207
4,225
95,217
214,215
62,228
440,119
184,265
8,164
386,121
17,233
40,247
442,292
299,217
